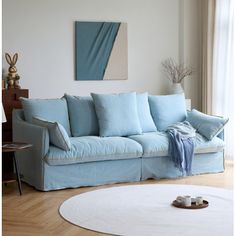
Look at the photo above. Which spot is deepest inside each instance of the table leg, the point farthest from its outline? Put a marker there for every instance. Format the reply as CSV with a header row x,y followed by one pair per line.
x,y
17,173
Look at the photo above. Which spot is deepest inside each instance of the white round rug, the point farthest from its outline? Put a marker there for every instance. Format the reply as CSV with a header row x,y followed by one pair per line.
x,y
147,210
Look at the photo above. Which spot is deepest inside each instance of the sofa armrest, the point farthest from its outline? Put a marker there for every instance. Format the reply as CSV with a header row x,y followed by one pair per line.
x,y
31,161
29,133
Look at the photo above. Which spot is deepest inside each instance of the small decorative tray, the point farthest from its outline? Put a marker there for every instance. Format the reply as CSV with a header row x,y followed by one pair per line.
x,y
193,206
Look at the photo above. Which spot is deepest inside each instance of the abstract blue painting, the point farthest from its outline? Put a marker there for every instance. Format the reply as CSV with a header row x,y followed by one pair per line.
x,y
101,50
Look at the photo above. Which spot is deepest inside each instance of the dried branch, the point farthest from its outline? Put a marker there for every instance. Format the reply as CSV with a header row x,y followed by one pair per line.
x,y
176,72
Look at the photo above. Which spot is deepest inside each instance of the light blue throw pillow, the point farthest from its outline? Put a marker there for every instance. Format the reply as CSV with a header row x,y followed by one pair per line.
x,y
83,118
48,109
117,114
206,125
167,110
145,118
57,134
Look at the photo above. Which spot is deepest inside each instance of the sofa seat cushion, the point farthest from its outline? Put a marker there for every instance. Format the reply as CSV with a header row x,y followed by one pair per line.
x,y
203,145
156,144
93,148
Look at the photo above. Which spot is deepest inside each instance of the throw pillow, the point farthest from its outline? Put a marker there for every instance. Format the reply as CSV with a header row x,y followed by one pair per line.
x,y
48,109
206,125
117,114
167,110
83,118
145,118
57,134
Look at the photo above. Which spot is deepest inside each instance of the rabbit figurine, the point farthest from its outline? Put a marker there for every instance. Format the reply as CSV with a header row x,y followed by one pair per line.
x,y
12,77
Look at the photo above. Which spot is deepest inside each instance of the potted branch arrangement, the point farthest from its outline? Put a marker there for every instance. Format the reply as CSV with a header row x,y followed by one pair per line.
x,y
176,73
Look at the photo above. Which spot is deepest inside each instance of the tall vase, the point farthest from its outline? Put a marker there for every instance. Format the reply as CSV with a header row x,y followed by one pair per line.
x,y
176,88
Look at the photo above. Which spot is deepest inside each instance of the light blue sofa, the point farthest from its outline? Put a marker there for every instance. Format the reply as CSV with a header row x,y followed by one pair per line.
x,y
94,160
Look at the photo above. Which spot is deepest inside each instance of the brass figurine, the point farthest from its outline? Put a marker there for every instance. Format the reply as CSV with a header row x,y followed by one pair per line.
x,y
12,77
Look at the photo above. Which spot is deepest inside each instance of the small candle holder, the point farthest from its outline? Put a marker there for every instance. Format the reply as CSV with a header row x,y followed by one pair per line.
x,y
187,201
199,201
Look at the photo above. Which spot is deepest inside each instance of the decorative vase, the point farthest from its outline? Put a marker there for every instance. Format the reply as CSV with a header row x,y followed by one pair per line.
x,y
176,88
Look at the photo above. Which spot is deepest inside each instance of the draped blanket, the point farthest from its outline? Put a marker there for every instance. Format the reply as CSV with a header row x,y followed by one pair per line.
x,y
181,145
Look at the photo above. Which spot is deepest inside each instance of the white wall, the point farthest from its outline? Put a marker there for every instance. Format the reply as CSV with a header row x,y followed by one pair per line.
x,y
190,45
42,32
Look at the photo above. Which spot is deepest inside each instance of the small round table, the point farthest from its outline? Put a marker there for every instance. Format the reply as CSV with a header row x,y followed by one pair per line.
x,y
15,147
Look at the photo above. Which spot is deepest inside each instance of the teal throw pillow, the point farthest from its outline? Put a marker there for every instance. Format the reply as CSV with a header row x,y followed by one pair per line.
x,y
57,134
117,114
207,125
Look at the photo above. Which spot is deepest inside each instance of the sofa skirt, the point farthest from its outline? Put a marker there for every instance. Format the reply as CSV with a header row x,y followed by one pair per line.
x,y
91,174
163,167
116,171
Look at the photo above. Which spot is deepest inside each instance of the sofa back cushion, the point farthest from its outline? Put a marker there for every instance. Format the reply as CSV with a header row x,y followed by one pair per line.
x,y
83,118
145,118
167,110
48,109
117,114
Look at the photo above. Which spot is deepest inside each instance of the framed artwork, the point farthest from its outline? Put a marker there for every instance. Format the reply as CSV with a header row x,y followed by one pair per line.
x,y
101,50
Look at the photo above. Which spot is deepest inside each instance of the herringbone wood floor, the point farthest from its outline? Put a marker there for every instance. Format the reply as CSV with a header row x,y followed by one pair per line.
x,y
36,213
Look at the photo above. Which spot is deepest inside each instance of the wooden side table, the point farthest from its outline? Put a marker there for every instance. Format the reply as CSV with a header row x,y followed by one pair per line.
x,y
10,100
14,147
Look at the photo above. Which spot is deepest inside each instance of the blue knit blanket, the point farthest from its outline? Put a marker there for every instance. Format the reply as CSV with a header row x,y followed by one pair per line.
x,y
181,146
